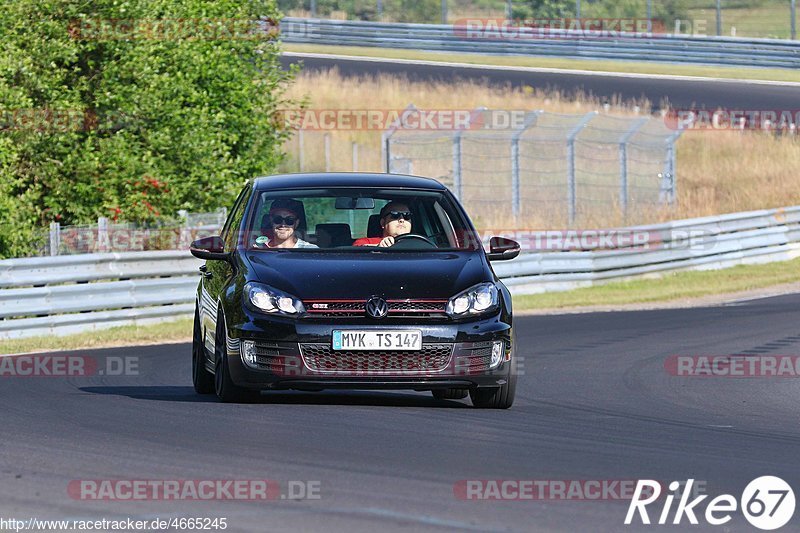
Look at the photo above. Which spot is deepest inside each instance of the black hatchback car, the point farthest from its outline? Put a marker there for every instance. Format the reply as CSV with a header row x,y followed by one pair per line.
x,y
354,281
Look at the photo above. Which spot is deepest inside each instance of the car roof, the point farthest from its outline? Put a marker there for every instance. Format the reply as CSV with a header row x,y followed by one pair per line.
x,y
344,179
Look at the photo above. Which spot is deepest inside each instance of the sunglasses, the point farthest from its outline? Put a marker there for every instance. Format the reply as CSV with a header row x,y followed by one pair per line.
x,y
279,220
397,215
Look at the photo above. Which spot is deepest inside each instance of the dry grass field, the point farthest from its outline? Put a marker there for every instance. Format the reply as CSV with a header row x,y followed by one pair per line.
x,y
718,171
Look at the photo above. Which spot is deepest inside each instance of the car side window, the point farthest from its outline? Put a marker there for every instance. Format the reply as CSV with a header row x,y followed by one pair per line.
x,y
230,231
227,225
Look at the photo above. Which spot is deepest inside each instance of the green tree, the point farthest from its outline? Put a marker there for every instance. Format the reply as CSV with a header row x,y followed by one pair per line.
x,y
133,109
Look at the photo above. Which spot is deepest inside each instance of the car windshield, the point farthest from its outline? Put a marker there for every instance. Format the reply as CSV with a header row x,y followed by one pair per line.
x,y
363,219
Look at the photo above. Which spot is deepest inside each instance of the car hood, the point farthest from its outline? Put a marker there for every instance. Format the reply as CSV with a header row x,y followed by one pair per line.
x,y
391,275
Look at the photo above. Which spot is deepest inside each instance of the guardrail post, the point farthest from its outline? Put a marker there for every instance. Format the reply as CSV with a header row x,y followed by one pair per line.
x,y
386,138
571,185
515,181
668,181
623,164
55,238
719,18
327,152
457,164
444,11
355,157
300,149
665,179
102,235
457,168
185,240
794,20
386,150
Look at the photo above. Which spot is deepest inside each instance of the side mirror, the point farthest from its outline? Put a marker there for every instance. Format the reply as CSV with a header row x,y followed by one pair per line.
x,y
501,249
209,248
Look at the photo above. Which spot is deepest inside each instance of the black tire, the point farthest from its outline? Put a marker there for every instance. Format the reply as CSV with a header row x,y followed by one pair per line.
x,y
495,397
450,394
202,379
224,387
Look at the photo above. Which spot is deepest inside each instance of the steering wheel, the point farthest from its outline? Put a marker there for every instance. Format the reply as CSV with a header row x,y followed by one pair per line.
x,y
413,240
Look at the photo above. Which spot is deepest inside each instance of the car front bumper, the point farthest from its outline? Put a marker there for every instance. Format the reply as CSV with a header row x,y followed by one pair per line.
x,y
297,354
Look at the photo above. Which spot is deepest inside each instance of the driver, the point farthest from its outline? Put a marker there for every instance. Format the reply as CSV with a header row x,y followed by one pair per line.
x,y
395,220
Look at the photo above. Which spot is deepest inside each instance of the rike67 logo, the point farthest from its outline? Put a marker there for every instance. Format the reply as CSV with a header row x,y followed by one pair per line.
x,y
767,503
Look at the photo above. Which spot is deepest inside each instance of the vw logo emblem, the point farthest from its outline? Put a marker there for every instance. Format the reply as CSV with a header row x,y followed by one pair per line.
x,y
377,307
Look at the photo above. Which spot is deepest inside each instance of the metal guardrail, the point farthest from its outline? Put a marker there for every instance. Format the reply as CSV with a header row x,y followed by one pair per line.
x,y
704,50
69,294
74,293
692,244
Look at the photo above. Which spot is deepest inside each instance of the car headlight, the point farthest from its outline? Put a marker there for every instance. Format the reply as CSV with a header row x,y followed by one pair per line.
x,y
266,299
476,300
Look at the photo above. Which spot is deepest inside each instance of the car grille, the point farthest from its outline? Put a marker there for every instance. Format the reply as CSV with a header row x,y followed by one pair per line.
x,y
397,308
322,358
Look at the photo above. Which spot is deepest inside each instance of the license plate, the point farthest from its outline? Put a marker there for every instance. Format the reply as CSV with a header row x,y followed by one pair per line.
x,y
377,340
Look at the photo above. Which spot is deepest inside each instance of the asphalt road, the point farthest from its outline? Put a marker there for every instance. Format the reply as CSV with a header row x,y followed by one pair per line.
x,y
680,94
594,403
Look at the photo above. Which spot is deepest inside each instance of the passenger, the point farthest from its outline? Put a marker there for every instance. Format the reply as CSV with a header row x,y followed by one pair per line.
x,y
395,220
286,218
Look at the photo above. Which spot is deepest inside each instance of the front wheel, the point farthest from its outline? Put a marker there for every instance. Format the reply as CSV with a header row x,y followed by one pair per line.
x,y
497,397
202,379
226,390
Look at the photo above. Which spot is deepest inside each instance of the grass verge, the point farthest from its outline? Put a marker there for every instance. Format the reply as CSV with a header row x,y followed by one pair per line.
x,y
628,67
672,287
174,331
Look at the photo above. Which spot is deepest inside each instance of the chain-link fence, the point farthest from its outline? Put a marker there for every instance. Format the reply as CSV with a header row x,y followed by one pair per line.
x,y
552,166
106,236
